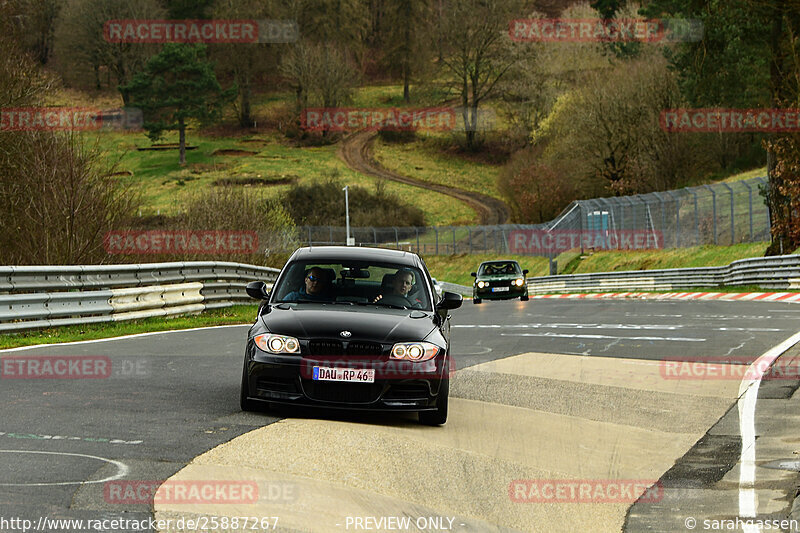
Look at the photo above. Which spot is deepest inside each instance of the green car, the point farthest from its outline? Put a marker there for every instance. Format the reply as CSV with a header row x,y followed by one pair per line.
x,y
499,280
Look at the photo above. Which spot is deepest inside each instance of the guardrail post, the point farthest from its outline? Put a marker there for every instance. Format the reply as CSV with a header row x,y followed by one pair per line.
x,y
309,235
396,238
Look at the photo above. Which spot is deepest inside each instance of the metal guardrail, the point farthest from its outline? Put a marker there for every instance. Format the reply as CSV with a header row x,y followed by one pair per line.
x,y
46,296
776,272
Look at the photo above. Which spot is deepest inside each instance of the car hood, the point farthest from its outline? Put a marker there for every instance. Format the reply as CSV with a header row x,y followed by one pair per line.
x,y
499,277
363,323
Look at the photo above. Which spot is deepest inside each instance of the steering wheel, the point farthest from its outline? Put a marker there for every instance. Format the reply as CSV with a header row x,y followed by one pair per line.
x,y
394,299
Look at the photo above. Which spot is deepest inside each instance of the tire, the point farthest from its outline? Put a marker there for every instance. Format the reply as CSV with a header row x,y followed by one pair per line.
x,y
439,416
523,298
476,300
244,402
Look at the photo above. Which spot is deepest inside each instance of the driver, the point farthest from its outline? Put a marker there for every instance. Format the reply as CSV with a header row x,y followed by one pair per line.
x,y
402,282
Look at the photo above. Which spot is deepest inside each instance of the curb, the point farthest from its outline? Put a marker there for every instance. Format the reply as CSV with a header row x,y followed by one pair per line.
x,y
793,297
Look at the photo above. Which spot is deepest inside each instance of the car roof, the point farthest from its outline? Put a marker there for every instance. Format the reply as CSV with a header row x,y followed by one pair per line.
x,y
352,253
493,261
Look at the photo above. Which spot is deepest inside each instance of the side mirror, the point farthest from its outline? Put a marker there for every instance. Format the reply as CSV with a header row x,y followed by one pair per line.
x,y
473,274
450,300
257,290
525,271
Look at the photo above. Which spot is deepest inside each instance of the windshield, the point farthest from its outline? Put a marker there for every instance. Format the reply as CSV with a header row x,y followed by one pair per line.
x,y
365,283
494,269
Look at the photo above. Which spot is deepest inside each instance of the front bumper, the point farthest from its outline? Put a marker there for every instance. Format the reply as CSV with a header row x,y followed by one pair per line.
x,y
514,291
288,380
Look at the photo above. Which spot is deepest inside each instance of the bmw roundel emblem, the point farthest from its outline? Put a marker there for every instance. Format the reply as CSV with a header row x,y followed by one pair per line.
x,y
345,334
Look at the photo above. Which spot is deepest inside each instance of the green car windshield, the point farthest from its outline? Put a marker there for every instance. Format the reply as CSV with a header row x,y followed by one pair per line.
x,y
499,269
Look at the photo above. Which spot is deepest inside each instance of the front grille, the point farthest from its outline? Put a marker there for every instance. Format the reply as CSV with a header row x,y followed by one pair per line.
x,y
500,283
336,347
339,392
323,347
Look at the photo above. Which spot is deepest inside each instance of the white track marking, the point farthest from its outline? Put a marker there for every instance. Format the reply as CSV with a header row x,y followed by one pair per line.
x,y
122,470
135,335
588,336
748,396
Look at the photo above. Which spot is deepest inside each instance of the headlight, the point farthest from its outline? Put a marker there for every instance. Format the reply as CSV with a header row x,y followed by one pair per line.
x,y
481,284
272,343
519,282
414,351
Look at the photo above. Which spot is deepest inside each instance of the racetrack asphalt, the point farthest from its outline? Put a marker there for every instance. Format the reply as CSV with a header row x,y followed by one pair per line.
x,y
570,367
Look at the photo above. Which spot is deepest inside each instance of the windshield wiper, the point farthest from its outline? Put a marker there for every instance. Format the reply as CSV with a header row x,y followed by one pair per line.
x,y
393,306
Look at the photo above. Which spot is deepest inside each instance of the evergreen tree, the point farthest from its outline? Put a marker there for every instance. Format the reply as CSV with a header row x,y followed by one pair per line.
x,y
177,85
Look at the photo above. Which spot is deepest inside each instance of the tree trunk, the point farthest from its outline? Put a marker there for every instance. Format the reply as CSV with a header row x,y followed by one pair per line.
x,y
245,113
182,141
775,198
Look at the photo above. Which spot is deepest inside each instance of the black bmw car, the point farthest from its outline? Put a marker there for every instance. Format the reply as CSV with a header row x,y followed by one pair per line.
x,y
499,280
352,328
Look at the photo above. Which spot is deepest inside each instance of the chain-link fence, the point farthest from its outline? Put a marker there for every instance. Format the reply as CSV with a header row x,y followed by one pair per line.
x,y
723,213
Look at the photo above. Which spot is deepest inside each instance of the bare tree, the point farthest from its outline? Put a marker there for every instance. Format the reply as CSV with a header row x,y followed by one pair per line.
x,y
82,48
476,53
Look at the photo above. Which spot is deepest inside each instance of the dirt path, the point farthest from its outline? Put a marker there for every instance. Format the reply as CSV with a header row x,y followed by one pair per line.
x,y
356,152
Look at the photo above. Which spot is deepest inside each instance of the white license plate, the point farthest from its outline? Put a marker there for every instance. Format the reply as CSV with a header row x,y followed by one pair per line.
x,y
360,375
499,289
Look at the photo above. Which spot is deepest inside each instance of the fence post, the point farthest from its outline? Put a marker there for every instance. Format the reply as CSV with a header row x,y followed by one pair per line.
x,y
696,216
733,234
678,217
485,240
436,230
750,206
469,237
309,235
663,217
713,209
417,230
633,212
374,236
769,222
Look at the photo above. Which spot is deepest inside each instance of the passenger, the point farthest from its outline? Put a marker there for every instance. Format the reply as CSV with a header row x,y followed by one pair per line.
x,y
317,288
